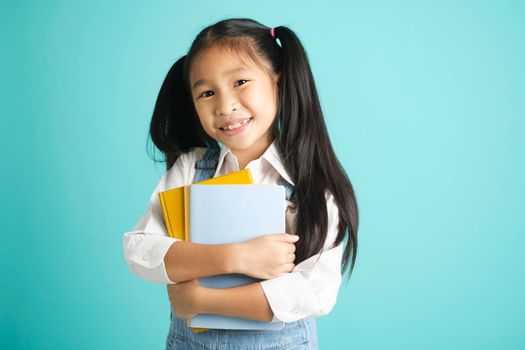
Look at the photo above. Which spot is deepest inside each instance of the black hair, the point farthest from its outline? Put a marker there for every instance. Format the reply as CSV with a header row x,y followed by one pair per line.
x,y
299,128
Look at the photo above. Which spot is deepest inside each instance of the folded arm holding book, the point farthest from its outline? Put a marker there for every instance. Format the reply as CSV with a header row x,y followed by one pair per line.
x,y
263,257
309,289
287,298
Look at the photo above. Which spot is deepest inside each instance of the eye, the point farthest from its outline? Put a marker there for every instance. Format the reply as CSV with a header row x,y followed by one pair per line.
x,y
201,95
242,80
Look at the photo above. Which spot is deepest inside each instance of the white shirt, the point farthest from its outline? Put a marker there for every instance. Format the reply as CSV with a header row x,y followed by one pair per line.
x,y
310,289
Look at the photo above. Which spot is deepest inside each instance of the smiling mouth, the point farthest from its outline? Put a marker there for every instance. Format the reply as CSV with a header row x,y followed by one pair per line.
x,y
236,125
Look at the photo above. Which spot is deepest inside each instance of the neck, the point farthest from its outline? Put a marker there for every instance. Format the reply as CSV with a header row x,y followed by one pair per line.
x,y
245,156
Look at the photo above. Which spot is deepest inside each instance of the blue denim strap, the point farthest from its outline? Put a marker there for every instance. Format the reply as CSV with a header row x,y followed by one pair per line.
x,y
205,168
288,188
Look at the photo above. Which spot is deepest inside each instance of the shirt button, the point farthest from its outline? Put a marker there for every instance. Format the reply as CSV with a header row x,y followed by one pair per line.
x,y
145,257
295,310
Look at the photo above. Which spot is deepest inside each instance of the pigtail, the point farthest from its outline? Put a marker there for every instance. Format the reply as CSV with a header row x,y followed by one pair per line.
x,y
174,126
309,156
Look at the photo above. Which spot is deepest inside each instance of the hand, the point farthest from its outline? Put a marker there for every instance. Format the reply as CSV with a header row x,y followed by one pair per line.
x,y
268,256
184,298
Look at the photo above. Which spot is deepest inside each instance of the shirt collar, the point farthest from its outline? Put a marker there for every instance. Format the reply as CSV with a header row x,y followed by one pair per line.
x,y
271,155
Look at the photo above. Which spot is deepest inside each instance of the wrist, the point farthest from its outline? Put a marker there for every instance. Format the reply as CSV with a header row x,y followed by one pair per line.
x,y
199,302
234,259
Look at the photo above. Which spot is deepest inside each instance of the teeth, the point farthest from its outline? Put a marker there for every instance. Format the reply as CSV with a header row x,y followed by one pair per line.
x,y
236,125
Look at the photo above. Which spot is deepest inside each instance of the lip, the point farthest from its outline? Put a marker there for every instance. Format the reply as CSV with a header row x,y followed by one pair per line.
x,y
232,121
234,132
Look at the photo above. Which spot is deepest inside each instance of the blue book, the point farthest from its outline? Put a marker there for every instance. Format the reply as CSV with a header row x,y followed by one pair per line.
x,y
233,214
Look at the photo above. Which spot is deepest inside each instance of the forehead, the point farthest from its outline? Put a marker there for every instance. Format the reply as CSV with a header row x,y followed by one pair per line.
x,y
220,62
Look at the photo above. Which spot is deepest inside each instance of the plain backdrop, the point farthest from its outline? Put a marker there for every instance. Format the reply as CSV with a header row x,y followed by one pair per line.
x,y
424,102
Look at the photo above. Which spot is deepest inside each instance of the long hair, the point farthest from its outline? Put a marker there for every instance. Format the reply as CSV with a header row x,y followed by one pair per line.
x,y
299,129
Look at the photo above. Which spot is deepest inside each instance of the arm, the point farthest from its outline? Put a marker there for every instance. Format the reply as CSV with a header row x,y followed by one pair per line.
x,y
186,260
154,256
157,258
262,257
246,301
310,289
189,299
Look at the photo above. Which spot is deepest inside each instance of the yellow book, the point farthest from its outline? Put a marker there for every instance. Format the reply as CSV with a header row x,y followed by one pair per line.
x,y
172,203
175,201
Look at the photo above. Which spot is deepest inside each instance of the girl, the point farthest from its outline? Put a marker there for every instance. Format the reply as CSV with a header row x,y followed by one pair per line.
x,y
240,100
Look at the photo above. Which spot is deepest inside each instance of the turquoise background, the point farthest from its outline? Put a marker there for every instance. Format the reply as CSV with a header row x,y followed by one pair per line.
x,y
424,101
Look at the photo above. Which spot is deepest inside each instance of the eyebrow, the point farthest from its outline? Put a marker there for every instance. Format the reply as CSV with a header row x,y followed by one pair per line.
x,y
228,72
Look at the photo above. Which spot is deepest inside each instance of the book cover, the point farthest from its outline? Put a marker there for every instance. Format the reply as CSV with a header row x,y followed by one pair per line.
x,y
232,214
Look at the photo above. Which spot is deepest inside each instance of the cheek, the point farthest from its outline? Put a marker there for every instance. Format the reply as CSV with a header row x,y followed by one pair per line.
x,y
266,102
205,125
267,110
208,127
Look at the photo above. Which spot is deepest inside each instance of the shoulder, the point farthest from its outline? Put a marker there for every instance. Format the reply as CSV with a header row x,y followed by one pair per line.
x,y
181,172
188,158
183,169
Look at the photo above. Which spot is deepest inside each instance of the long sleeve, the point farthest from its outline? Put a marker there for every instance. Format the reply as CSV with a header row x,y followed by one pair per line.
x,y
147,243
311,288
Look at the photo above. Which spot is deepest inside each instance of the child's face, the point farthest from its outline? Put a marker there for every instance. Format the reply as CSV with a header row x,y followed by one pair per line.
x,y
227,98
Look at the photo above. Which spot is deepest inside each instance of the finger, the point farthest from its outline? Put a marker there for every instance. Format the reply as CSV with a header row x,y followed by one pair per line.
x,y
276,236
287,237
291,257
288,267
291,248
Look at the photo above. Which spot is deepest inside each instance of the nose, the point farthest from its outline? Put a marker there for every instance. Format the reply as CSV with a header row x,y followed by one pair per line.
x,y
226,103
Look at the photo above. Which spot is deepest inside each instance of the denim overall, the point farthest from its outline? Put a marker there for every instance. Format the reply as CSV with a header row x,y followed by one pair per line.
x,y
301,334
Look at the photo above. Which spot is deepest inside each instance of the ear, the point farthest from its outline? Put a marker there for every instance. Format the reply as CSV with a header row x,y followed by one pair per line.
x,y
276,78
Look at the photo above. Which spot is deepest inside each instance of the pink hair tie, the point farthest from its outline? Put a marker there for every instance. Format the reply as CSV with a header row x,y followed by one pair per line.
x,y
272,31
